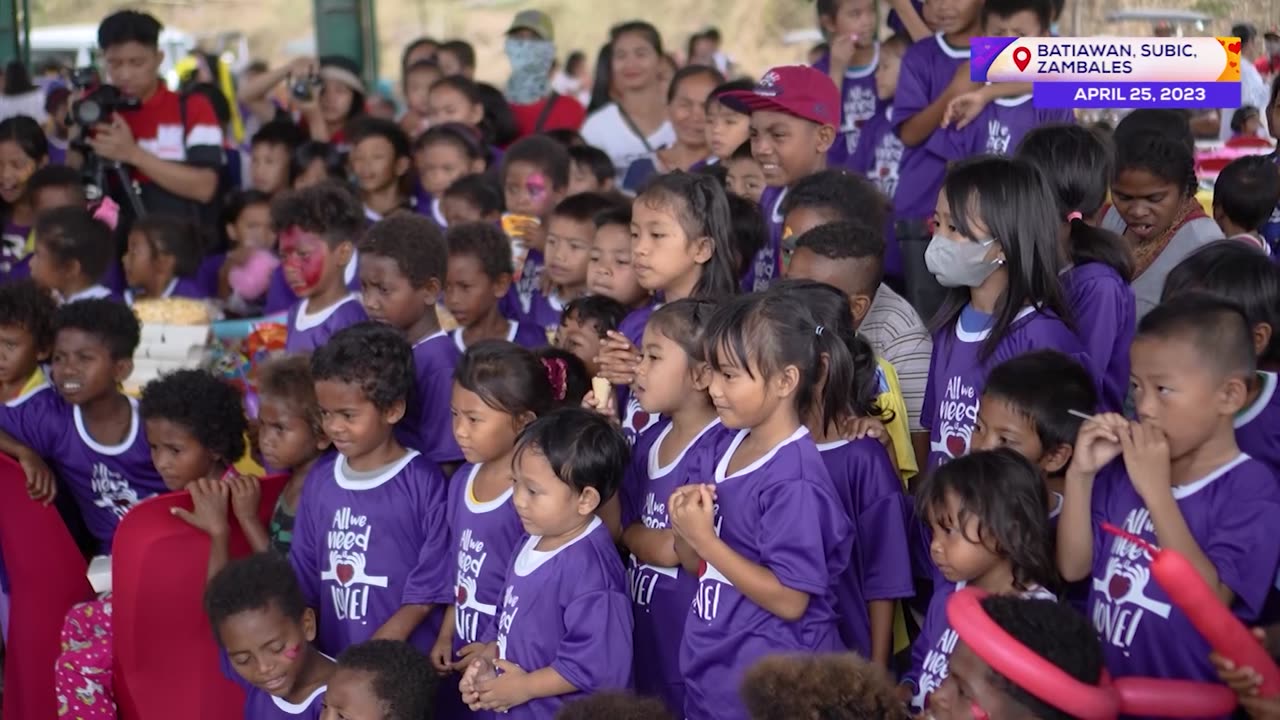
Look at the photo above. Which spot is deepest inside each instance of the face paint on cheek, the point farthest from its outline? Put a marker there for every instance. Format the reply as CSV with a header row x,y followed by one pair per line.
x,y
304,256
292,652
536,186
978,713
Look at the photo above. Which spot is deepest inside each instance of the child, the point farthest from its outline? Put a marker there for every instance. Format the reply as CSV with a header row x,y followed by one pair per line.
x,y
499,389
291,438
1244,195
1237,273
318,227
611,271
314,163
1078,166
381,680
441,156
1002,268
590,170
750,234
25,150
585,324
768,517
455,99
568,252
478,278
266,630
417,81
402,267
798,686
371,530
671,383
26,339
1000,126
933,71
851,62
270,153
681,247
573,637
865,478
1246,124
1270,230
472,198
987,515
745,175
55,186
457,58
1027,407
795,111
687,95
89,430
1181,483
242,275
879,155
162,259
727,129
535,177
72,253
380,161
195,426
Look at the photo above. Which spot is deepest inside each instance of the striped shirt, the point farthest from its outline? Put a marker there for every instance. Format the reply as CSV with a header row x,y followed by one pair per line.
x,y
898,336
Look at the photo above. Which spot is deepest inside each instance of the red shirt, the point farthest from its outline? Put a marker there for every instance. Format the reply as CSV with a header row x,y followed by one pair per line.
x,y
566,114
157,126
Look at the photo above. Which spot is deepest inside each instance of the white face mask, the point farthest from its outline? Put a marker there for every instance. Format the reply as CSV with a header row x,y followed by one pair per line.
x,y
959,264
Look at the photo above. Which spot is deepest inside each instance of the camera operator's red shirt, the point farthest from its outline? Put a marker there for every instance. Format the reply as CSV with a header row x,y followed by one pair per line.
x,y
158,128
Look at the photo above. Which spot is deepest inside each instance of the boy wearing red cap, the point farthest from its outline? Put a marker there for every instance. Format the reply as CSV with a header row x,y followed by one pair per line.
x,y
794,111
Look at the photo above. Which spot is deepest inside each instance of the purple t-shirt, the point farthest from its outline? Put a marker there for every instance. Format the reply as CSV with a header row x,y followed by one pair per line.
x,y
997,130
636,420
14,260
567,609
1104,313
1229,513
632,326
957,372
308,331
427,206
280,297
545,313
1258,426
520,300
261,705
525,335
782,513
366,544
859,104
767,265
871,494
178,288
428,423
927,69
661,596
880,156
105,481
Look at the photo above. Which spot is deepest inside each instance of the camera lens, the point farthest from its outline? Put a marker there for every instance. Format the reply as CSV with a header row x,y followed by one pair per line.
x,y
88,112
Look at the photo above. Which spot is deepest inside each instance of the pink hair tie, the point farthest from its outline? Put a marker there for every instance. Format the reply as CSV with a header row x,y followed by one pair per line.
x,y
1075,215
107,212
557,373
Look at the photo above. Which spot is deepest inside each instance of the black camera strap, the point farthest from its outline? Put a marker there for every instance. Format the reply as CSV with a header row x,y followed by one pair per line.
x,y
546,112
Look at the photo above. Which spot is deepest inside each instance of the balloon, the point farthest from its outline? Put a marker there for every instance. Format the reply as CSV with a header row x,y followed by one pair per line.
x,y
1173,698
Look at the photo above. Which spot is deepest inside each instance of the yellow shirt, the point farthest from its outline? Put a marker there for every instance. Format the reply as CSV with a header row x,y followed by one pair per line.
x,y
890,401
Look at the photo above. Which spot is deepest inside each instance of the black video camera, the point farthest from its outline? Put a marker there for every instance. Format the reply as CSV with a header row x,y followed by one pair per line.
x,y
99,102
303,88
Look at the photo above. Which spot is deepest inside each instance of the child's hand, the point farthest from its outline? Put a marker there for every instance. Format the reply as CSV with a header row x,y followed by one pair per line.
x,y
506,691
618,359
843,48
246,495
1146,457
963,109
534,235
469,653
858,428
692,512
1098,443
442,653
1245,682
41,485
610,407
209,498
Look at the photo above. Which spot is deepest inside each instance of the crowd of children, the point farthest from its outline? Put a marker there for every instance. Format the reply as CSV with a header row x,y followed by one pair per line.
x,y
715,434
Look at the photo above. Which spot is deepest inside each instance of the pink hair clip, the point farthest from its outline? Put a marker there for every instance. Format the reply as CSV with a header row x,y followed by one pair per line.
x,y
1075,215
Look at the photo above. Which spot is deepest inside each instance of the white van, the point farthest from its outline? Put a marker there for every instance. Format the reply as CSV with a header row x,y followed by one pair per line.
x,y
76,46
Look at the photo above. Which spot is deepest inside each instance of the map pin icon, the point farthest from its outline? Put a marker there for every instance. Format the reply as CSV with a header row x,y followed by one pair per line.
x,y
1021,58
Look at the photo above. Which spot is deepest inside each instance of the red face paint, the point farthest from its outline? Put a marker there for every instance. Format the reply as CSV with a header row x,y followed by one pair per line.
x,y
536,185
978,712
304,256
292,652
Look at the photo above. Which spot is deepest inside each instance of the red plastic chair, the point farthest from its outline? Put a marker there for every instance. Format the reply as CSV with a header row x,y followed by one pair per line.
x,y
166,659
46,577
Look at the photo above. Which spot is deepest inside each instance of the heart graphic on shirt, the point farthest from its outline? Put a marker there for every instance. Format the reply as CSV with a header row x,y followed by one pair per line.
x,y
955,446
640,420
1118,587
462,595
884,172
344,572
1234,47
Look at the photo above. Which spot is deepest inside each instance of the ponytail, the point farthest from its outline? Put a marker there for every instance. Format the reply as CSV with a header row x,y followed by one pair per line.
x,y
1091,244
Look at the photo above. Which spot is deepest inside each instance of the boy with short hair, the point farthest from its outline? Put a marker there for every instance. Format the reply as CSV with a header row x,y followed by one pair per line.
x,y
568,252
402,267
457,57
1177,479
800,105
317,228
271,154
26,339
472,198
584,325
850,62
535,178
590,170
1244,196
477,281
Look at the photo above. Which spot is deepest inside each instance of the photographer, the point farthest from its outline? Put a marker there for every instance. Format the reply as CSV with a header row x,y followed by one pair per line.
x,y
327,95
172,144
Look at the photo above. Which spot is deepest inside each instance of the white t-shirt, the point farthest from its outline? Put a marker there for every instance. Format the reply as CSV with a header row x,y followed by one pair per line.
x,y
30,104
606,130
1253,91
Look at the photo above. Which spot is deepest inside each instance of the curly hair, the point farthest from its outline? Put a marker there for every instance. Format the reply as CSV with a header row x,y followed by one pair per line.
x,y
371,355
113,323
208,408
484,242
256,582
402,678
413,242
330,209
26,306
615,706
604,312
835,687
289,378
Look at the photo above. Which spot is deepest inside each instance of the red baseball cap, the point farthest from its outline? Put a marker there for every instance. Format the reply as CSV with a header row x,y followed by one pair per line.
x,y
797,90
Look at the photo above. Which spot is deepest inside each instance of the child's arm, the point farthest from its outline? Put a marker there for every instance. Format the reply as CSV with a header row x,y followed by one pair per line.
x,y
246,495
915,130
431,582
881,614
652,547
41,485
209,515
1097,444
911,20
689,559
442,651
965,107
403,622
514,686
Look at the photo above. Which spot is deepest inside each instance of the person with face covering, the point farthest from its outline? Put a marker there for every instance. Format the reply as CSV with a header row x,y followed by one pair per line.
x,y
531,49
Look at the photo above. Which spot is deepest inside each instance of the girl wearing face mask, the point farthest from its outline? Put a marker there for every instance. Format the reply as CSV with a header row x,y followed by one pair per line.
x,y
991,249
531,49
635,125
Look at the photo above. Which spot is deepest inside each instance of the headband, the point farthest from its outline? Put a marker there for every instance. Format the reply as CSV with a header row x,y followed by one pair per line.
x,y
557,373
342,75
